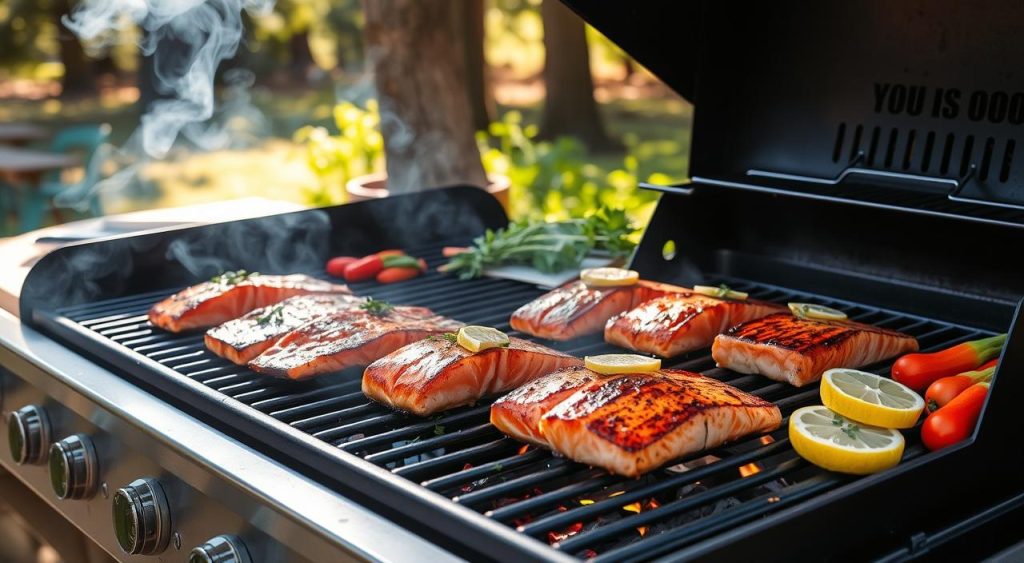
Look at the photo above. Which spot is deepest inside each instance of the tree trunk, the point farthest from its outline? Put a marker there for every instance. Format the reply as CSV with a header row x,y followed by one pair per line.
x,y
79,73
469,23
300,55
421,83
569,106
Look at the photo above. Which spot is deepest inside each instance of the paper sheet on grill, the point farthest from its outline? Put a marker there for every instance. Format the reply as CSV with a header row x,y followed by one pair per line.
x,y
529,275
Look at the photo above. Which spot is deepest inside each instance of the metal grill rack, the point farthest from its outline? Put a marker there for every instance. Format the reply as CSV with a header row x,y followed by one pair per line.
x,y
579,511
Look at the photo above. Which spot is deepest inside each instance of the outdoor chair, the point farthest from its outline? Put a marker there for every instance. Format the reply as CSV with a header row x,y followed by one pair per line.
x,y
86,140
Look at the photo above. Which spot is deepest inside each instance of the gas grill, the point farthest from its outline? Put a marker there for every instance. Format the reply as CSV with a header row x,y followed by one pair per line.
x,y
802,190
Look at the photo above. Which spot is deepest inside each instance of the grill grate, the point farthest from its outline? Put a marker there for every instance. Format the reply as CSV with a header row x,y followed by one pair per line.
x,y
581,511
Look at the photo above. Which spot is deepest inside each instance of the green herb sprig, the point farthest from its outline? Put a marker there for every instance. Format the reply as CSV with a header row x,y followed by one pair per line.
x,y
233,278
377,307
274,316
548,247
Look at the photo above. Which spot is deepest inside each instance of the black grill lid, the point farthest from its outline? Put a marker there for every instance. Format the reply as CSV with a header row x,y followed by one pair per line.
x,y
821,96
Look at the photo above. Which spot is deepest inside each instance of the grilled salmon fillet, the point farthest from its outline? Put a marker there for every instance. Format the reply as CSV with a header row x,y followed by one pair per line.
x,y
797,351
242,339
518,413
576,309
348,338
214,302
631,424
436,374
677,323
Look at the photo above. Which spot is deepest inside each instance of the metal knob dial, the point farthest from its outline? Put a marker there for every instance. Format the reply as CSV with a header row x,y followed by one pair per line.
x,y
73,467
28,435
142,519
220,549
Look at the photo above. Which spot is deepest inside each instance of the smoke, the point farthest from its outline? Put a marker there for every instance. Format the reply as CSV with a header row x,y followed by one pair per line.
x,y
204,32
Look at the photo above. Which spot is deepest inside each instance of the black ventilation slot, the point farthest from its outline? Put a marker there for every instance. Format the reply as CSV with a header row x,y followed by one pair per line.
x,y
947,152
890,149
855,146
939,154
986,159
908,152
873,148
838,149
929,144
1004,172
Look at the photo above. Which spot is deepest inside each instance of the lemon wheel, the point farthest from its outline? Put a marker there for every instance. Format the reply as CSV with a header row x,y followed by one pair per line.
x,y
870,399
834,442
477,338
609,277
610,364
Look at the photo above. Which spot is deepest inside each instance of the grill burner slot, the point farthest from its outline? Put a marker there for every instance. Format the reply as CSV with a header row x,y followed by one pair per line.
x,y
459,456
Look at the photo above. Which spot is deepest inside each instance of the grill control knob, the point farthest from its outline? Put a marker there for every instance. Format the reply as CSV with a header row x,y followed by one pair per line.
x,y
220,549
28,434
73,467
142,519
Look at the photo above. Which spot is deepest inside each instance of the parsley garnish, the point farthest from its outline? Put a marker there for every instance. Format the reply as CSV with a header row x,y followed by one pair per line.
x,y
438,430
232,278
275,315
451,337
377,307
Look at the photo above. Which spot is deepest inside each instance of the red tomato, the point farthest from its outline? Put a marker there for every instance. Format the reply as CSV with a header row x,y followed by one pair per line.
x,y
364,269
336,266
392,275
954,422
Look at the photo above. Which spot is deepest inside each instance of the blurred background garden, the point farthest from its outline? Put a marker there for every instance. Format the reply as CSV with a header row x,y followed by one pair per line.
x,y
557,114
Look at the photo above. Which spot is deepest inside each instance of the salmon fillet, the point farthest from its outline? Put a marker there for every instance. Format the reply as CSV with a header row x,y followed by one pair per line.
x,y
518,413
576,309
217,301
677,323
632,424
798,351
242,339
347,338
436,374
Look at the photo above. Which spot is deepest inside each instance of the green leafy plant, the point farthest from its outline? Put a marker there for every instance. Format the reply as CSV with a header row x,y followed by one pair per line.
x,y
357,149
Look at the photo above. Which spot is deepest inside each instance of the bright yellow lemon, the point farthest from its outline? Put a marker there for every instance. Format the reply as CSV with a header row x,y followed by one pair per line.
x,y
834,442
870,399
610,364
477,338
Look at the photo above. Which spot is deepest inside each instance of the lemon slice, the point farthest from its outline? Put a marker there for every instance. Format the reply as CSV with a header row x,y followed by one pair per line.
x,y
834,442
610,364
477,338
870,399
813,311
609,277
720,291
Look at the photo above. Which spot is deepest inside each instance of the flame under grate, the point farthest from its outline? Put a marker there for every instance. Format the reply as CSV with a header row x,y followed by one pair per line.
x,y
581,511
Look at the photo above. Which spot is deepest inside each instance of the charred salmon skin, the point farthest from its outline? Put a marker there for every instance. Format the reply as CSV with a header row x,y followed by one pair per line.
x,y
231,295
436,374
632,424
518,413
348,338
677,323
242,339
576,309
797,351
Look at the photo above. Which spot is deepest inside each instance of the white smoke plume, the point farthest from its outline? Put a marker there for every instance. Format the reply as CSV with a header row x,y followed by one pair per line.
x,y
207,32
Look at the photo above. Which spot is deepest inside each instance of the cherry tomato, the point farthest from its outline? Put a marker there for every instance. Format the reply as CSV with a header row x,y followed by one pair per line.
x,y
392,275
336,266
364,269
954,422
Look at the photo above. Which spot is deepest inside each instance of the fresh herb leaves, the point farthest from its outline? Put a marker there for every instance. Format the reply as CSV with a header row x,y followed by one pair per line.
x,y
548,247
232,278
438,430
274,316
377,307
